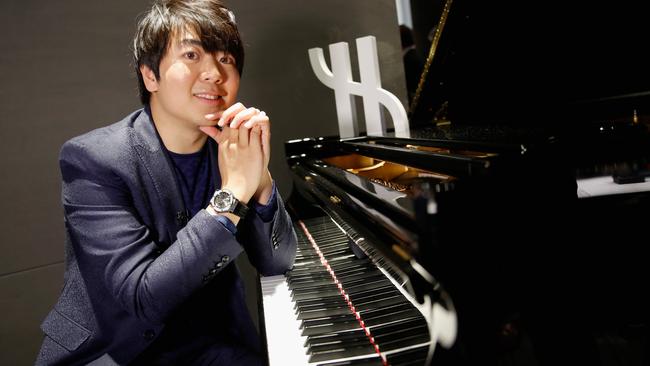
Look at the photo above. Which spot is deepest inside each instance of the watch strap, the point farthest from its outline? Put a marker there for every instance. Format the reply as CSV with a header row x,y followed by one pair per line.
x,y
240,209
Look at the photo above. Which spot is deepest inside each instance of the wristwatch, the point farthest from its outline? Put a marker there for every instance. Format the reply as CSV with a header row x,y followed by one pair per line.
x,y
224,200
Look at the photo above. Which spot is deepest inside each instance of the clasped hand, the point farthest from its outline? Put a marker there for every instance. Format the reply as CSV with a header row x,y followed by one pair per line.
x,y
244,151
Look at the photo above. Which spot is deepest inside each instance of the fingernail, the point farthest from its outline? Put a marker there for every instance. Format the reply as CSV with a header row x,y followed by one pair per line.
x,y
209,115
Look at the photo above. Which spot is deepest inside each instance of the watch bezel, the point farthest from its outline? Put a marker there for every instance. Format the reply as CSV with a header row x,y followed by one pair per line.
x,y
223,200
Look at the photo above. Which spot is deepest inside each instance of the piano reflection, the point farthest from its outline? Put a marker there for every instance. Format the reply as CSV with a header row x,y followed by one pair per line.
x,y
508,230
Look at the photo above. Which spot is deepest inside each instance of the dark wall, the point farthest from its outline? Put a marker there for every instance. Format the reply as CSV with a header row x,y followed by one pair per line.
x,y
65,68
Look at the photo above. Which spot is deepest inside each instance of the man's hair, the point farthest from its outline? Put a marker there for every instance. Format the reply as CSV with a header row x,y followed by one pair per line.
x,y
210,20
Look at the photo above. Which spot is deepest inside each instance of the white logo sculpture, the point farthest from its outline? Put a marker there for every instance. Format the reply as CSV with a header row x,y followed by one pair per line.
x,y
340,79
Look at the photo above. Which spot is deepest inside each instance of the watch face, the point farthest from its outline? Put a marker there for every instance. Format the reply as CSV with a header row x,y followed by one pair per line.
x,y
222,201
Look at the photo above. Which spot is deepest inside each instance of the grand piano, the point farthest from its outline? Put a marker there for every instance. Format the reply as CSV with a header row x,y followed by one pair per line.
x,y
510,229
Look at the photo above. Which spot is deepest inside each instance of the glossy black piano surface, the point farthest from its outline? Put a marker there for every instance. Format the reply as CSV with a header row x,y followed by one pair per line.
x,y
523,193
536,273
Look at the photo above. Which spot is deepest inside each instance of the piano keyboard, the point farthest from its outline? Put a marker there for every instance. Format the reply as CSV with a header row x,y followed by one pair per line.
x,y
335,309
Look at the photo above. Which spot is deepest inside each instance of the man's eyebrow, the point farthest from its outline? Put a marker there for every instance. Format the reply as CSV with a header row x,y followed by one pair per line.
x,y
190,42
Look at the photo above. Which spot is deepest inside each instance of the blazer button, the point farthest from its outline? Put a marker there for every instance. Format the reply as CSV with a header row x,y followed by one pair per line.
x,y
225,258
149,334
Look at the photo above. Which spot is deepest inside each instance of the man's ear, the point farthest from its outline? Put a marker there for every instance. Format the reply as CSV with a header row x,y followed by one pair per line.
x,y
149,78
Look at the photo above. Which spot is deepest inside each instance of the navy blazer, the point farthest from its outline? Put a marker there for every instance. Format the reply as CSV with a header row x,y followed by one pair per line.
x,y
134,260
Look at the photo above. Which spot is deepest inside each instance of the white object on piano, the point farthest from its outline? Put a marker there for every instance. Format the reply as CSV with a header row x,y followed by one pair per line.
x,y
340,80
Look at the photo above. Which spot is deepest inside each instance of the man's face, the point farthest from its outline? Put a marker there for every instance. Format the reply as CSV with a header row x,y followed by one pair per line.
x,y
192,82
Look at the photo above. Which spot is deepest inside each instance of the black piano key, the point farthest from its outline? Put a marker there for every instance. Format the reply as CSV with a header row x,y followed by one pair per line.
x,y
331,311
327,249
314,288
331,328
297,296
396,328
320,302
403,342
351,335
351,281
393,317
363,301
342,344
369,287
338,264
344,318
366,349
329,243
316,282
335,297
367,315
378,302
411,357
369,361
316,276
341,265
322,285
311,272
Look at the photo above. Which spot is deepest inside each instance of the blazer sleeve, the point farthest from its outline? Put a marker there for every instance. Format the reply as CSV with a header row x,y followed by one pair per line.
x,y
117,250
270,246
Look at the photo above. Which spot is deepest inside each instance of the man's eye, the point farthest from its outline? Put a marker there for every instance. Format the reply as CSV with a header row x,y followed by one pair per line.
x,y
191,55
227,60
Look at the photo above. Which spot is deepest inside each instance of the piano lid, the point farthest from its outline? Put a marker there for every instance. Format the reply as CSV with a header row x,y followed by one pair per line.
x,y
536,64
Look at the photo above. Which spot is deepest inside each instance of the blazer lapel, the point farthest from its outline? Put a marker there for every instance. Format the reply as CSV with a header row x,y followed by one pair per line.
x,y
170,206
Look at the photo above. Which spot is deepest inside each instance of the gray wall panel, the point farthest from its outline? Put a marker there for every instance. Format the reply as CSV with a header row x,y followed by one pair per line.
x,y
65,69
26,299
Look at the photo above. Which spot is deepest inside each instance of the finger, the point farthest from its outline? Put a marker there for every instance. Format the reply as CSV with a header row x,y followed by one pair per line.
x,y
265,129
243,136
259,117
213,116
255,137
233,134
242,116
255,143
230,113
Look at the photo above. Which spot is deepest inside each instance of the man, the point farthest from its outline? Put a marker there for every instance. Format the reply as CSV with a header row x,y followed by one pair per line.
x,y
158,205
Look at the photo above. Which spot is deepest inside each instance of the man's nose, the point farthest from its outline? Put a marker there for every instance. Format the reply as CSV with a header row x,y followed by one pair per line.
x,y
212,73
